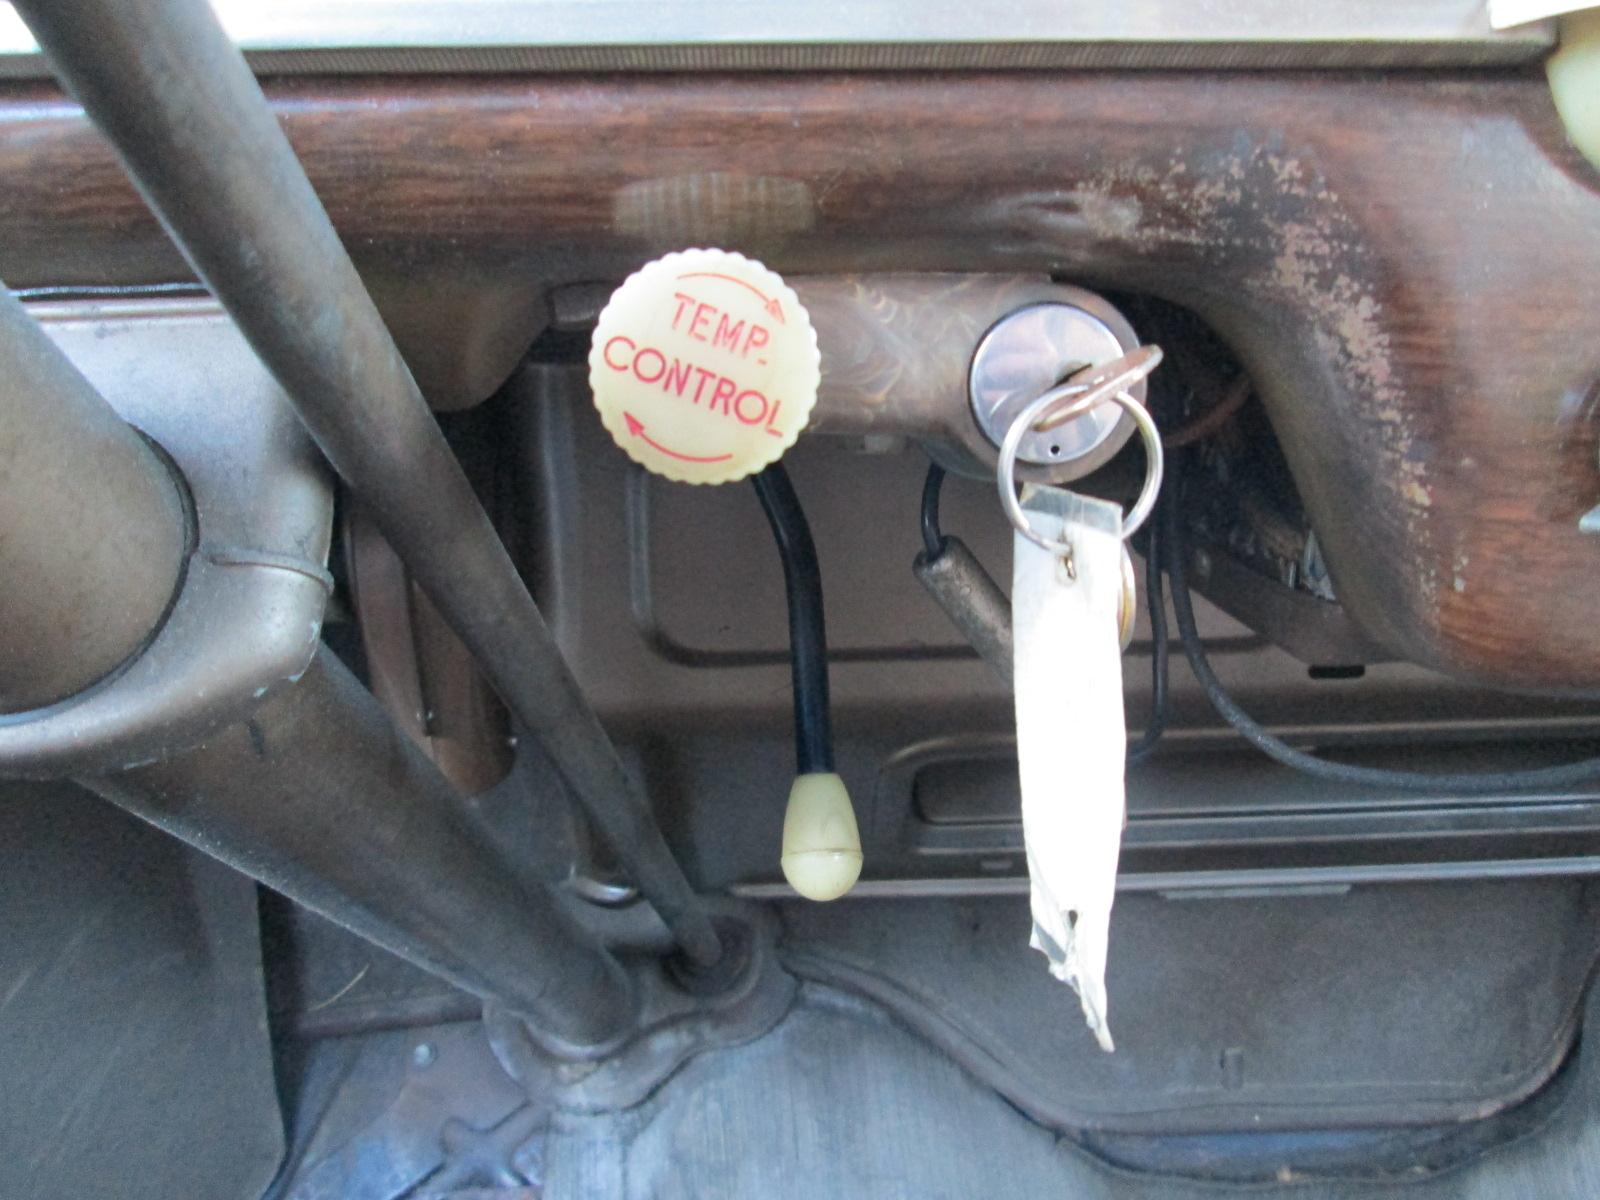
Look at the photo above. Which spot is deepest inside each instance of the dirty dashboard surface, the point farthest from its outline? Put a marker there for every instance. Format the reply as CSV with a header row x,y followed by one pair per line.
x,y
665,600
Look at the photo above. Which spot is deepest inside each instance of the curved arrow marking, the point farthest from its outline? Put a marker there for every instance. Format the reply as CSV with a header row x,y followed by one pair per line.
x,y
636,429
770,303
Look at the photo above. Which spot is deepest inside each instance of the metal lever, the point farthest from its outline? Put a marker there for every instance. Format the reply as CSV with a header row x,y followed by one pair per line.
x,y
165,84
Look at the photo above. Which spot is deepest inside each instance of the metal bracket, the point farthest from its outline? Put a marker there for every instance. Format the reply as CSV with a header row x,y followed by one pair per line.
x,y
248,616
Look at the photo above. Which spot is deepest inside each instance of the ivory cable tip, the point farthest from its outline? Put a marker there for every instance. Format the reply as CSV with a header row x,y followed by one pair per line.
x,y
821,844
1574,72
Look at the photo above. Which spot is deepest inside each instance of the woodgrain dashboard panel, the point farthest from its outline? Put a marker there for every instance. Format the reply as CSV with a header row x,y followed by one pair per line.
x,y
1409,264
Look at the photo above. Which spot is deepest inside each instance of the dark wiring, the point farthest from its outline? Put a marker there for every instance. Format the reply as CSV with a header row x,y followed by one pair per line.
x,y
1166,547
1156,606
1474,783
808,642
1212,419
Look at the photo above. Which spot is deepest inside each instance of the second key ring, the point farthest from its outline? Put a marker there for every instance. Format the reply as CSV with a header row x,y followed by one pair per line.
x,y
1088,397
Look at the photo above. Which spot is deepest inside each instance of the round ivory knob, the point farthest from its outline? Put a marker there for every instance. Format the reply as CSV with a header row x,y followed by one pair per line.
x,y
704,366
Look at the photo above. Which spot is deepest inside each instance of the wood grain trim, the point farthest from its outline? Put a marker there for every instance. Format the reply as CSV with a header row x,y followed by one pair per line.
x,y
1410,265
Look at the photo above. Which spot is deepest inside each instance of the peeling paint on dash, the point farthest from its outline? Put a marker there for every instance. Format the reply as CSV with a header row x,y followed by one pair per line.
x,y
1261,202
1104,214
1316,265
1277,203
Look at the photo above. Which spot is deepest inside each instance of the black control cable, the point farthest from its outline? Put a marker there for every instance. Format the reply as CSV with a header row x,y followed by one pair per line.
x,y
1156,607
808,641
933,544
1476,783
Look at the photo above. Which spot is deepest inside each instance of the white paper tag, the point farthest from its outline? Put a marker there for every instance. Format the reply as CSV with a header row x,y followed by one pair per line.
x,y
1071,734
